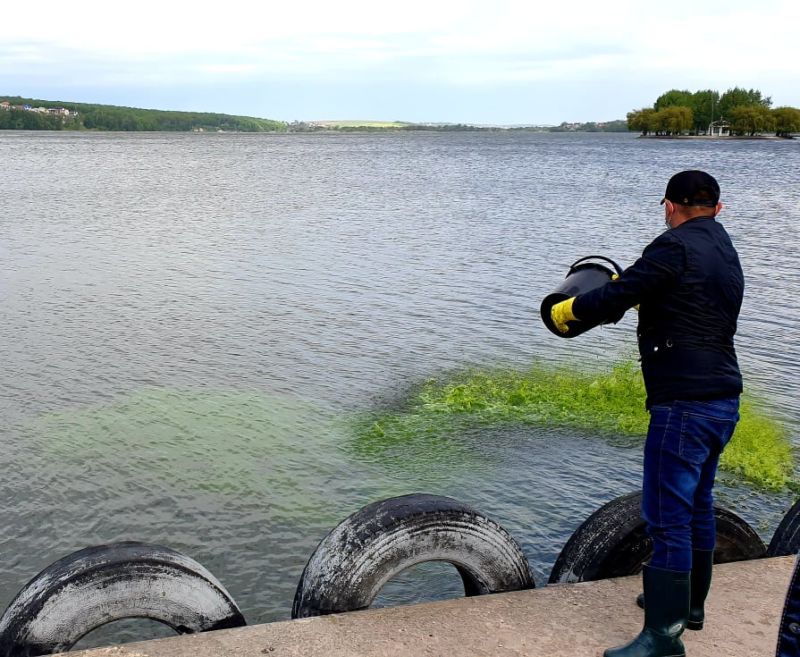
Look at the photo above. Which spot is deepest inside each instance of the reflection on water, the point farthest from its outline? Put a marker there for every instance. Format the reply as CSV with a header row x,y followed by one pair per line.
x,y
189,322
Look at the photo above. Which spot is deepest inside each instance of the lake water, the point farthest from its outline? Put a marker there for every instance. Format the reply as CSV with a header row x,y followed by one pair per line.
x,y
191,323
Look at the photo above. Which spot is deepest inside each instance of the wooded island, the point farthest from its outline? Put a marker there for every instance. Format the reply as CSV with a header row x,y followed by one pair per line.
x,y
737,112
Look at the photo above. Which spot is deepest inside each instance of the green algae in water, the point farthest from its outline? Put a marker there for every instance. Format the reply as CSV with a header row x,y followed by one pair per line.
x,y
284,454
760,451
269,448
607,403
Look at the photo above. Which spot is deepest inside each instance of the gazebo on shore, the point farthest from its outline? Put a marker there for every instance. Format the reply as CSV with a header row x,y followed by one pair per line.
x,y
719,129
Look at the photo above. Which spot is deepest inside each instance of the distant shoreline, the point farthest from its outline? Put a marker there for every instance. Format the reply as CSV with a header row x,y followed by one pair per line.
x,y
718,138
18,113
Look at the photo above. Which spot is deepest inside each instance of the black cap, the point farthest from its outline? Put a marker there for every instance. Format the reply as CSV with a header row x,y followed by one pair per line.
x,y
695,188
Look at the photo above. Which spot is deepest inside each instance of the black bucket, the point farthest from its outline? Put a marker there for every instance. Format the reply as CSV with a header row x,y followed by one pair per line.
x,y
581,277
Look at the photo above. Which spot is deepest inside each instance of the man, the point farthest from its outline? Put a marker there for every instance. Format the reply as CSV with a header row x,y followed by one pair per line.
x,y
789,633
688,284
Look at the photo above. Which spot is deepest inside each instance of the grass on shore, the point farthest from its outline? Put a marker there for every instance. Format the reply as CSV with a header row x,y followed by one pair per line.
x,y
610,404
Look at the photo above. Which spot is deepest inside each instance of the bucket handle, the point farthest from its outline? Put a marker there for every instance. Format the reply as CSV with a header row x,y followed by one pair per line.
x,y
598,257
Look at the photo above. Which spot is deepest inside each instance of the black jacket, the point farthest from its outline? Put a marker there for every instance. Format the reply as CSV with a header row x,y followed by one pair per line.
x,y
689,285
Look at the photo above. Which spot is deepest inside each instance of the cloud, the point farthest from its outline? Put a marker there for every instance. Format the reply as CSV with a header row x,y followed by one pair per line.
x,y
466,44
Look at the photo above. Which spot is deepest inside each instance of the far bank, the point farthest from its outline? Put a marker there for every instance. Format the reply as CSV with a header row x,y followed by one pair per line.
x,y
722,137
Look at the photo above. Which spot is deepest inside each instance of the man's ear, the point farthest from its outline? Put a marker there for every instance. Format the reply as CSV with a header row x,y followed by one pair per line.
x,y
718,209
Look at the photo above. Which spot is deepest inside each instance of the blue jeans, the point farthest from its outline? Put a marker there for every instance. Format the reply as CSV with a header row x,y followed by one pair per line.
x,y
684,443
789,635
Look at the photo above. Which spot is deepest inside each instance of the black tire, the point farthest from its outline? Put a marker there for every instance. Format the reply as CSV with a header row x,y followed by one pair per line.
x,y
354,561
786,539
613,542
102,584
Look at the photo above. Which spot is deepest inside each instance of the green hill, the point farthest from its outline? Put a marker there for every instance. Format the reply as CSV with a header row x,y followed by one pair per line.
x,y
84,116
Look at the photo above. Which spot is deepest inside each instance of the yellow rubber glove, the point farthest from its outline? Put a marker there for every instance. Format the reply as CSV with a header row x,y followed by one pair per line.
x,y
561,313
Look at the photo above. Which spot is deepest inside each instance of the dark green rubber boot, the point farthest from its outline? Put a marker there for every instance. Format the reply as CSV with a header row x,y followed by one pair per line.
x,y
702,568
667,594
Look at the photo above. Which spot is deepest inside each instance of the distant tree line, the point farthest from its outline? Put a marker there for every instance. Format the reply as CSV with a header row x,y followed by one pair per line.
x,y
301,126
85,116
112,117
591,126
448,127
17,119
746,112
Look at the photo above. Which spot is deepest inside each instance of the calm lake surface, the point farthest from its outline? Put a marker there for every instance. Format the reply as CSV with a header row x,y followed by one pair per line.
x,y
190,325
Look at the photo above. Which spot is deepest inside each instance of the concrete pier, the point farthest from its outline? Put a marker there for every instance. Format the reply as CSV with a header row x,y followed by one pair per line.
x,y
570,620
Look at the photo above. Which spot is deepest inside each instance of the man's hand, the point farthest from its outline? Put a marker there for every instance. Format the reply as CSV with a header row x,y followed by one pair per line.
x,y
561,313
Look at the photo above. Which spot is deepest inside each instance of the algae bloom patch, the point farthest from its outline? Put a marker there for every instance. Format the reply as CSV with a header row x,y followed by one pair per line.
x,y
609,404
239,444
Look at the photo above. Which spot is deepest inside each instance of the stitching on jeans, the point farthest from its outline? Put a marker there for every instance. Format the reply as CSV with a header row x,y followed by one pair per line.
x,y
684,415
722,420
660,462
725,424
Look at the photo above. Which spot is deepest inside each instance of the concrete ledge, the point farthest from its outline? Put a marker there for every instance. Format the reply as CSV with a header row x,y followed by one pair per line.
x,y
570,620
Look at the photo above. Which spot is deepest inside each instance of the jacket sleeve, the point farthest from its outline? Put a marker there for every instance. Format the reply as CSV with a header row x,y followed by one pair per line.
x,y
659,268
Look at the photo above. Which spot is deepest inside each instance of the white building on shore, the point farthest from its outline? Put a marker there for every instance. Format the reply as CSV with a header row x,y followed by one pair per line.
x,y
719,128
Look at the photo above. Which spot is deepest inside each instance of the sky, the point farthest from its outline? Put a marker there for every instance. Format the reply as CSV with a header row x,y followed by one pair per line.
x,y
505,62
